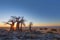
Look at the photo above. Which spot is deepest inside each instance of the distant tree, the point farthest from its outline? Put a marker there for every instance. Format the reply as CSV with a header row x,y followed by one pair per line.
x,y
54,30
45,28
41,28
30,26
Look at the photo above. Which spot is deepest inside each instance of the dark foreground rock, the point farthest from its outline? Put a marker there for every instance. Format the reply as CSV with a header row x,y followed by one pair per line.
x,y
6,35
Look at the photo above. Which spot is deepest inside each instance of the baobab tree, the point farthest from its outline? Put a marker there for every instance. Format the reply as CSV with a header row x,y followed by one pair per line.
x,y
30,26
11,22
18,22
22,23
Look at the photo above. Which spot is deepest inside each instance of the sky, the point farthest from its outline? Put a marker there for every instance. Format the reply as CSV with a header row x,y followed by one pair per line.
x,y
40,12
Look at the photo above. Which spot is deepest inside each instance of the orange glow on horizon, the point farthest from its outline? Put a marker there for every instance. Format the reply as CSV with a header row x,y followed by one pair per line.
x,y
4,25
36,24
46,24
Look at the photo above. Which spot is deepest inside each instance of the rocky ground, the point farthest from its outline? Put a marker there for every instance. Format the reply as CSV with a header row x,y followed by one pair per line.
x,y
34,35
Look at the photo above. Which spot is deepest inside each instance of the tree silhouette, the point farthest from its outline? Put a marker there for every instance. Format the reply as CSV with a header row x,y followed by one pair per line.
x,y
18,22
54,30
17,25
30,26
22,23
11,22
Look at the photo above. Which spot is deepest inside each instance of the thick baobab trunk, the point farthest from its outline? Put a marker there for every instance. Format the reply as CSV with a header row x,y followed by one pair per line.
x,y
30,25
12,27
17,26
21,27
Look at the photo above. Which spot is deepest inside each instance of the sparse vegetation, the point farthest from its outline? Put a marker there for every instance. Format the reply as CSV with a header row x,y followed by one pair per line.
x,y
18,34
